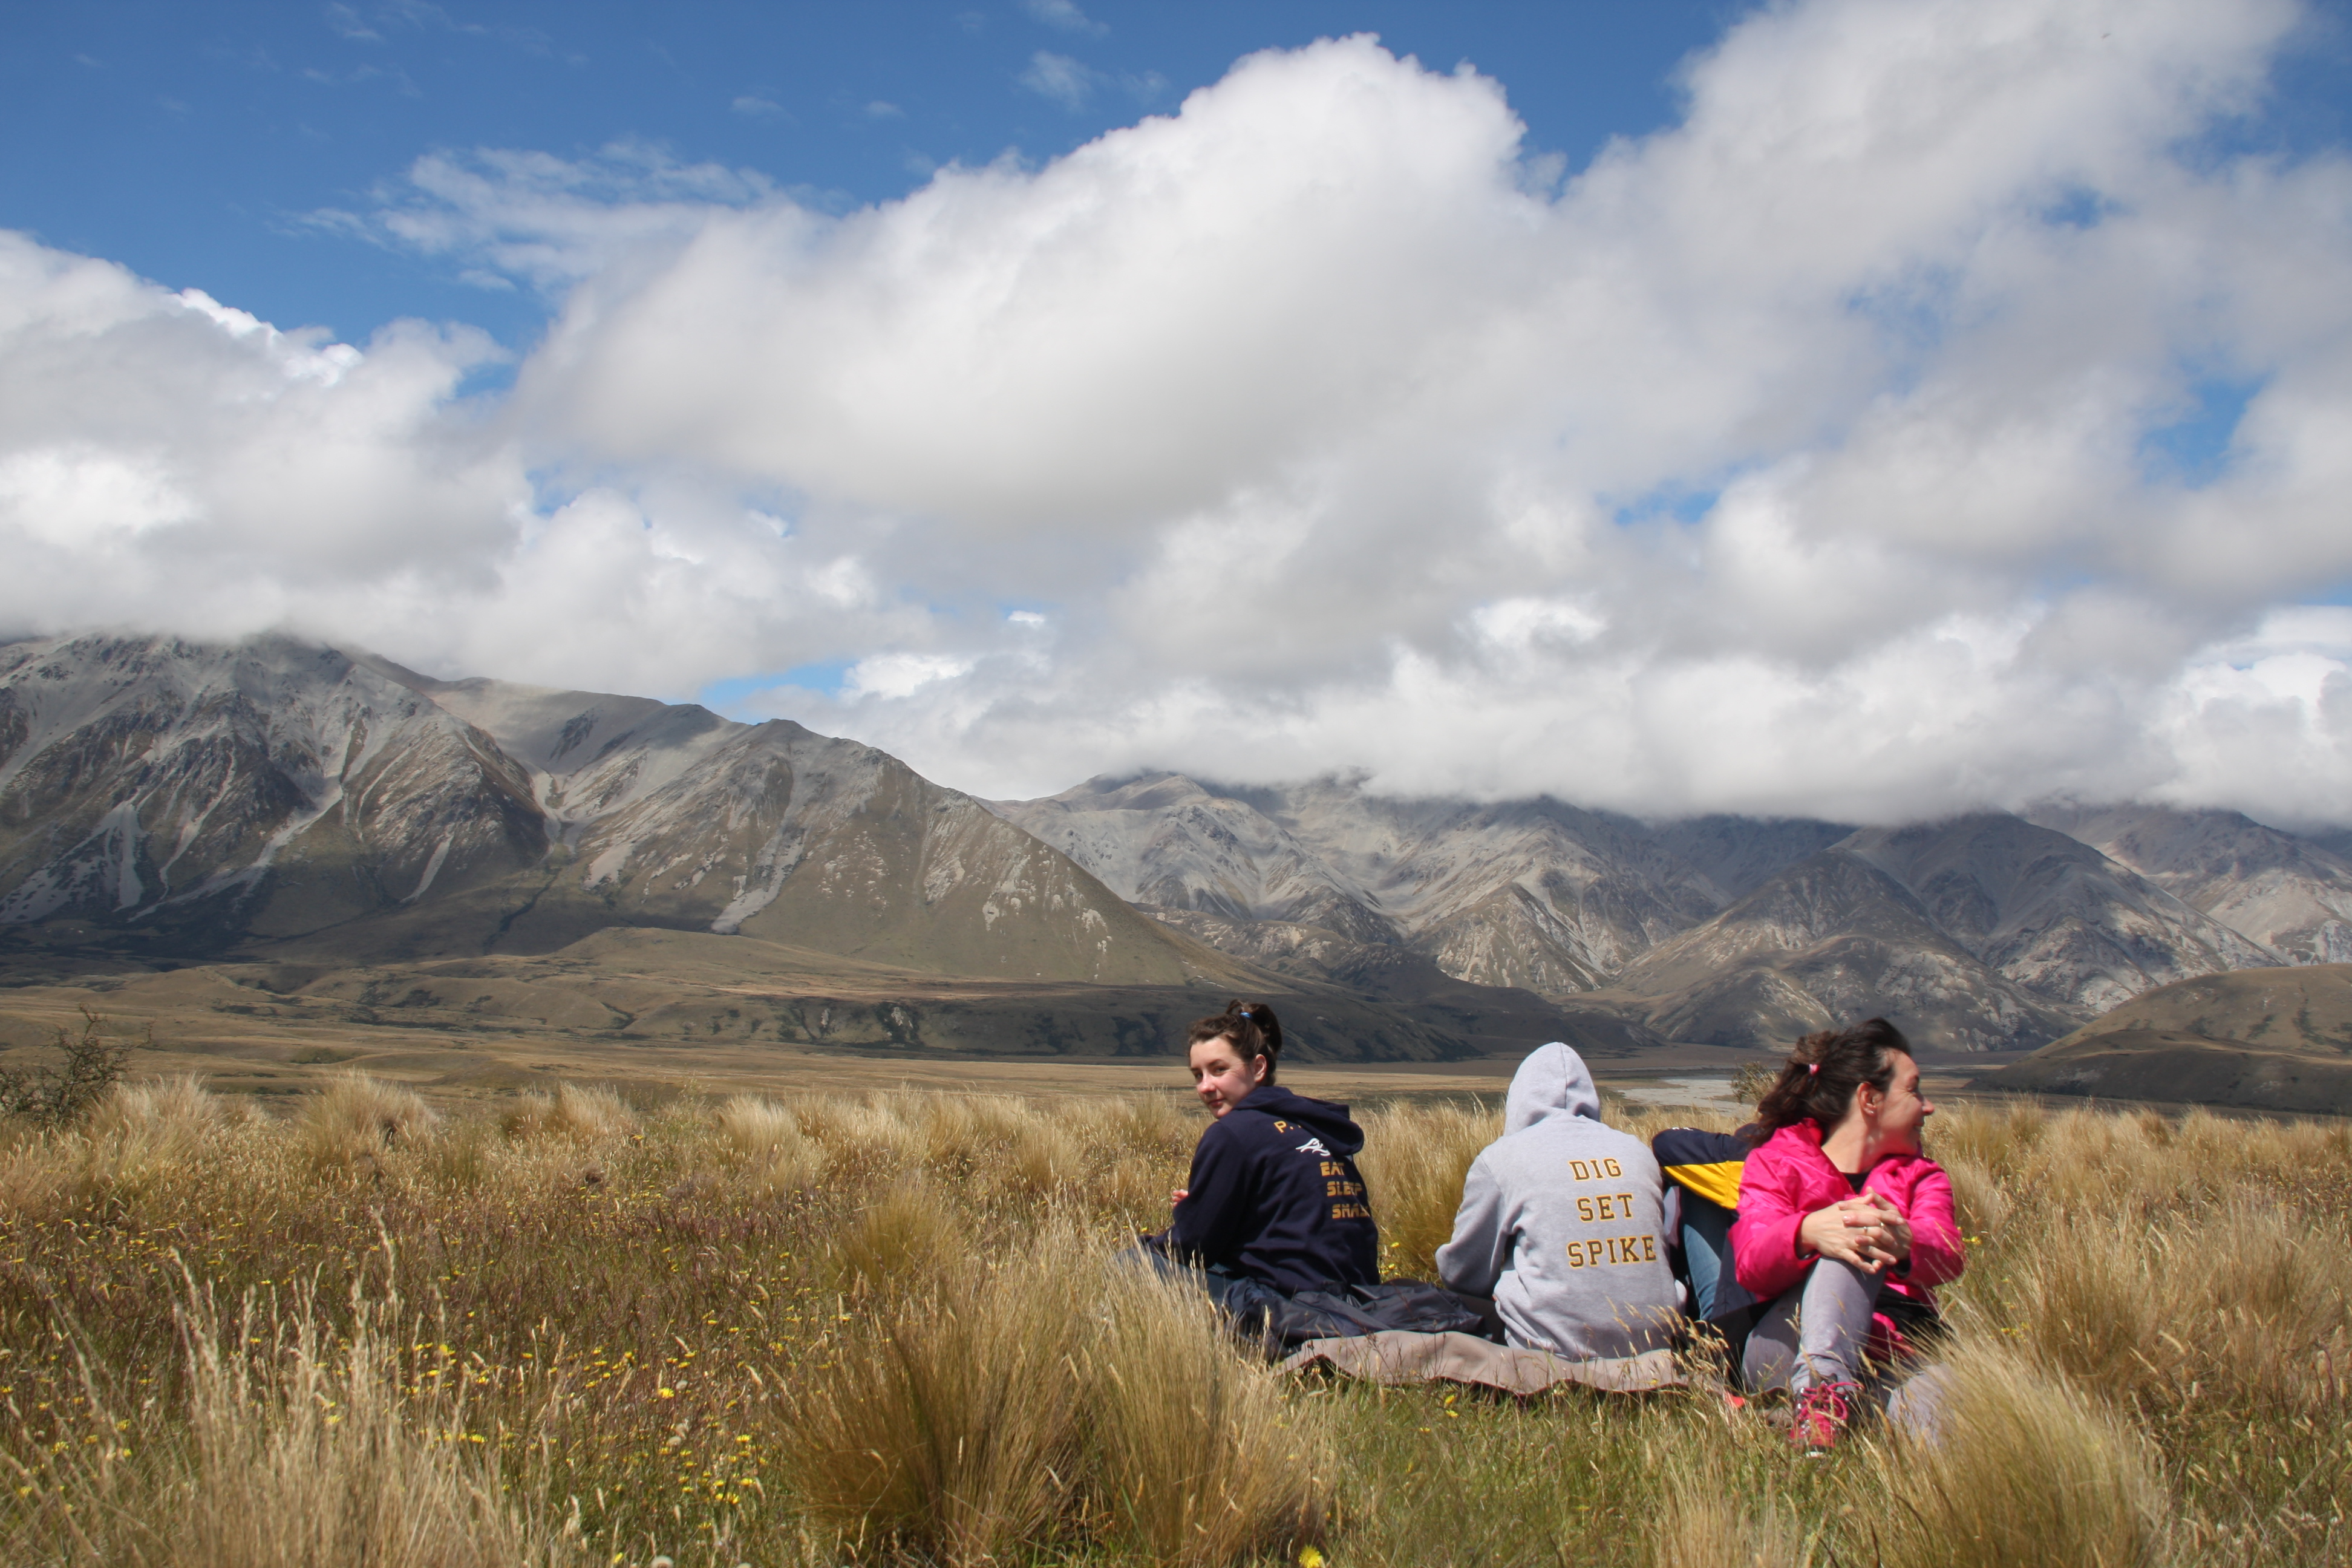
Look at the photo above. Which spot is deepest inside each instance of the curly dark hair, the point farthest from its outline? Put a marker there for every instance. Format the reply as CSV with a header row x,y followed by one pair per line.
x,y
1822,1074
1251,1025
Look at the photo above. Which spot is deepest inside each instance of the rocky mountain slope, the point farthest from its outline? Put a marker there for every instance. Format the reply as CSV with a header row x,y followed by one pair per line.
x,y
2292,895
149,784
1986,932
2050,914
1823,942
1532,893
165,797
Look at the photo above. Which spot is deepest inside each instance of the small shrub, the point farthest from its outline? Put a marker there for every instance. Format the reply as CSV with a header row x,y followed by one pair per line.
x,y
1753,1081
61,1095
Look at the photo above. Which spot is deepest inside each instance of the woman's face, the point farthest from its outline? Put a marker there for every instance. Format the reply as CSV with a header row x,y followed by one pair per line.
x,y
1222,1076
1900,1112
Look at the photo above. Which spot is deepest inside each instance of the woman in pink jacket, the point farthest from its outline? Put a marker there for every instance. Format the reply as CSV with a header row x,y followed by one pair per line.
x,y
1845,1227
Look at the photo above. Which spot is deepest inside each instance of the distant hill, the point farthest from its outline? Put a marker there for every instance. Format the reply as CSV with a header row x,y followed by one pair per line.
x,y
651,1009
1410,979
330,814
2269,1039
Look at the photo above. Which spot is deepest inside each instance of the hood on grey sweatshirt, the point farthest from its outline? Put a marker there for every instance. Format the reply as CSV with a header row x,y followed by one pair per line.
x,y
1552,1082
1563,1222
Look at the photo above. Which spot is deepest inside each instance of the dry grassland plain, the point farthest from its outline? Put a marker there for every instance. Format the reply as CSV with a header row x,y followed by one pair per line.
x,y
813,1326
636,1008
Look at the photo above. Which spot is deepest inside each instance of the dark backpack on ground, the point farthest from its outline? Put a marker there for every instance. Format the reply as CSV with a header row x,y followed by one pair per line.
x,y
1282,1323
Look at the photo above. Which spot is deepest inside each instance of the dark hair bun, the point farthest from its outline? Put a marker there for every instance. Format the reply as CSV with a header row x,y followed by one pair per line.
x,y
1257,1015
1251,1025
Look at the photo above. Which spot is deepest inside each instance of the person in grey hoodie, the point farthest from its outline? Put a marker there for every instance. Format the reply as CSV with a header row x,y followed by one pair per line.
x,y
1564,1223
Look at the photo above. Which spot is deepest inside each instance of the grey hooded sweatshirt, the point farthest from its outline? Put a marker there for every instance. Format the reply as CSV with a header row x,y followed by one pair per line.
x,y
1563,1222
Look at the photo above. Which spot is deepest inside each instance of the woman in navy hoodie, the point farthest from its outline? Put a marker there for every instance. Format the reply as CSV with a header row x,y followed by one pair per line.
x,y
1274,1195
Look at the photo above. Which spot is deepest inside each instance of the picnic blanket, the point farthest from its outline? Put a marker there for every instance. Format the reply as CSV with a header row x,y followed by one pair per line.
x,y
1400,1355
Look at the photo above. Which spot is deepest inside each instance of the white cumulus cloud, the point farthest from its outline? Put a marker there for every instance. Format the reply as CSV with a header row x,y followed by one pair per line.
x,y
1819,453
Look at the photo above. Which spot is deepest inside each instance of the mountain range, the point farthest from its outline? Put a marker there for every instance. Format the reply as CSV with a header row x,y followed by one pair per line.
x,y
290,805
313,811
1987,931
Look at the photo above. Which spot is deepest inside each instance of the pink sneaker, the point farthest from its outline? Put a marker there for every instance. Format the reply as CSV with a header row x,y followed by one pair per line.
x,y
1821,1414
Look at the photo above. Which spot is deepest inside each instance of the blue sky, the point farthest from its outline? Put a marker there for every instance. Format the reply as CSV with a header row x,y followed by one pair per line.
x,y
193,142
1856,408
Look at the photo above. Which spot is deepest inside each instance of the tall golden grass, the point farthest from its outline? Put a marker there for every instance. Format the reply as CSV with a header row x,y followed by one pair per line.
x,y
890,1327
2021,1467
296,1444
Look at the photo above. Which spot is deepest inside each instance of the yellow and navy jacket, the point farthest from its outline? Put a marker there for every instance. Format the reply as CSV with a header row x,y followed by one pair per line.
x,y
1701,1172
1704,1164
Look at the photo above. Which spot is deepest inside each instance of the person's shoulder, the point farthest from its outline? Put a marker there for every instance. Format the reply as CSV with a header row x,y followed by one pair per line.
x,y
1248,1125
1795,1139
1787,1149
1697,1146
1573,1137
1912,1170
1226,1133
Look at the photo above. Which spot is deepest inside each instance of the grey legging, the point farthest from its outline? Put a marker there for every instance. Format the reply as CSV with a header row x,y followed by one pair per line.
x,y
1815,1332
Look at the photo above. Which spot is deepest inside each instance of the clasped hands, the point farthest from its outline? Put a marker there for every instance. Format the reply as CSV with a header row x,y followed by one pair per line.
x,y
1866,1230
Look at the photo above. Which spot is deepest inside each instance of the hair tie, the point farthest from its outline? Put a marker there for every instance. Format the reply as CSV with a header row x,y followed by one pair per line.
x,y
1813,1068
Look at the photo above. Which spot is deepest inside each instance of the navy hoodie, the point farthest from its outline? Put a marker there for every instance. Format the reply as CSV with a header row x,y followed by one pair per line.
x,y
1274,1195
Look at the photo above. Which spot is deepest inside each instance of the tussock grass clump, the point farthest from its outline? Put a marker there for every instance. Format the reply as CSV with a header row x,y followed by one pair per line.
x,y
172,1112
907,1239
969,1410
2232,1299
355,1119
866,1140
1714,1516
945,1420
766,1137
2023,1468
580,1115
141,1135
1197,1456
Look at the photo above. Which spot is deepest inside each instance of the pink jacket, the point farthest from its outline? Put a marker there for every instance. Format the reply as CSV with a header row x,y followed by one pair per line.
x,y
1789,1177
